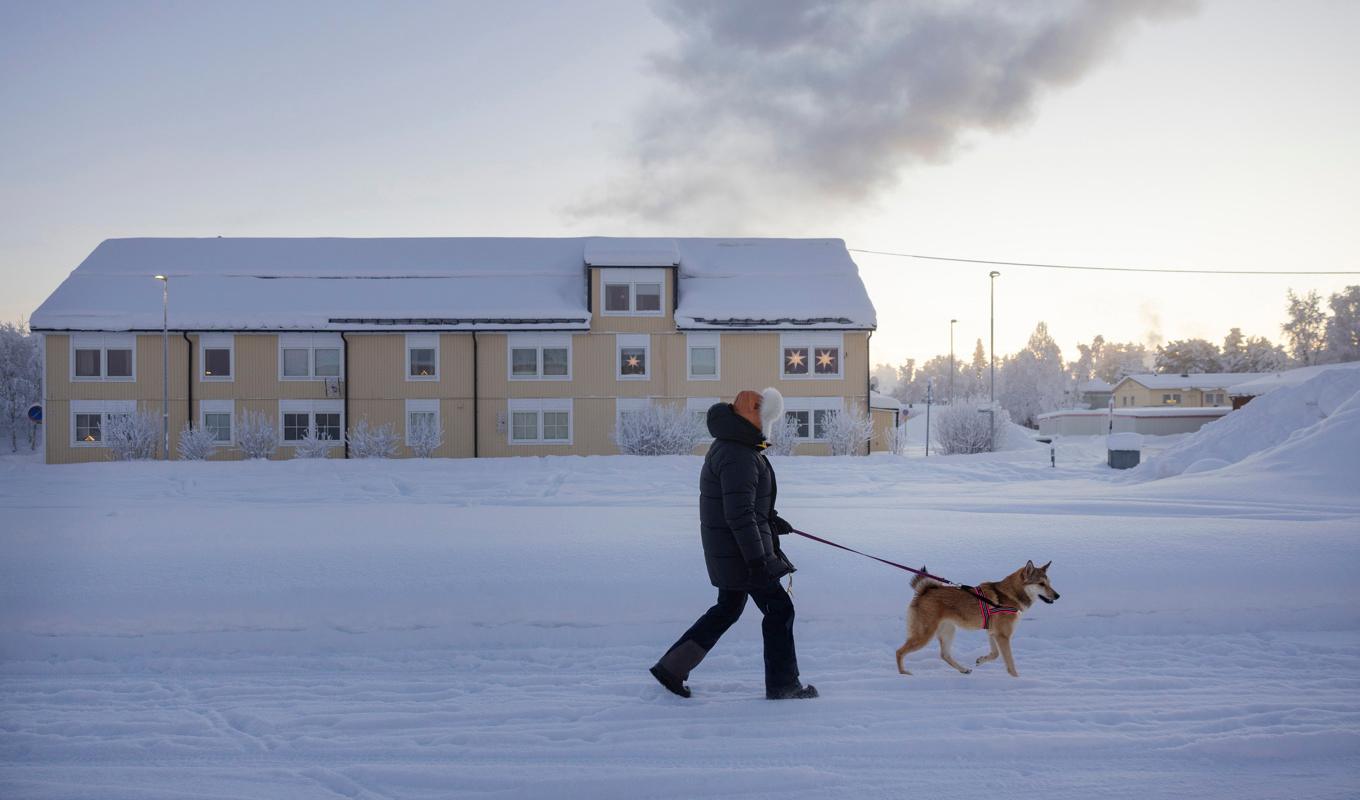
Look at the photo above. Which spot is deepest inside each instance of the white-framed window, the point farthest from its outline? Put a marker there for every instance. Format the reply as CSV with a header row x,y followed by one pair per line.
x,y
311,356
633,292
422,356
216,417
216,356
812,415
1214,398
538,356
633,356
812,355
321,418
421,412
90,419
698,407
104,357
1171,398
703,356
540,421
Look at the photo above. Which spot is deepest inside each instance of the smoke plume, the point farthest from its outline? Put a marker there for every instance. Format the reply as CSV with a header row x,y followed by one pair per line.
x,y
780,109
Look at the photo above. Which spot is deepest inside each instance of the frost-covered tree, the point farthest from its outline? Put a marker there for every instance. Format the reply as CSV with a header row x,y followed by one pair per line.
x,y
848,432
1117,359
965,427
977,374
660,429
883,378
133,437
1343,327
1306,327
256,435
425,435
373,441
195,444
1186,356
1084,368
784,438
1034,380
313,446
20,382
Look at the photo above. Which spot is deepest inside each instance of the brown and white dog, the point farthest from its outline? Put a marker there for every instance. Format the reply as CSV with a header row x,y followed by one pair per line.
x,y
937,610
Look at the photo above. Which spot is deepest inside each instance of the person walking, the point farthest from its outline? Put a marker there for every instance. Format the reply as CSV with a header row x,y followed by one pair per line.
x,y
740,530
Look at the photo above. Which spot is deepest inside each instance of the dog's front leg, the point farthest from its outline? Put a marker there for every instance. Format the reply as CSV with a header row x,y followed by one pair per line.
x,y
992,655
1003,641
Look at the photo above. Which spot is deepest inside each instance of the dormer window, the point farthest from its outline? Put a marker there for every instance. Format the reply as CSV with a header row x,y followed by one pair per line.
x,y
632,292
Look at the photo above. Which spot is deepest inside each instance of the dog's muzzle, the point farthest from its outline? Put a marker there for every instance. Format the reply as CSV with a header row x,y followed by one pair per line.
x,y
1050,602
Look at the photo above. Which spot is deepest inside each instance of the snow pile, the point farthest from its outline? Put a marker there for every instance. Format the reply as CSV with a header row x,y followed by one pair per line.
x,y
1261,424
1325,456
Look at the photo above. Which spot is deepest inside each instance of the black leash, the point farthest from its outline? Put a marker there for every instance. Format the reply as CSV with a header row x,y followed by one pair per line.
x,y
969,589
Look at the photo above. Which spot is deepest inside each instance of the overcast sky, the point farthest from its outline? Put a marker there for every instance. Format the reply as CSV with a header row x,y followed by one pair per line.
x,y
1219,134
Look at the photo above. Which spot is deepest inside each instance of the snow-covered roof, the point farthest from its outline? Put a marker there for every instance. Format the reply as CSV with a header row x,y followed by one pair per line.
x,y
447,283
1293,377
1197,380
1095,385
880,400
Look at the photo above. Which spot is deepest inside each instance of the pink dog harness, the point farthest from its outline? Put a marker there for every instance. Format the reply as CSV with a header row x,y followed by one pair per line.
x,y
987,607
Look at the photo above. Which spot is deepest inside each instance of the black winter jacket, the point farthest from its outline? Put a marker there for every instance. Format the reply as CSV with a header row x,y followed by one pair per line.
x,y
736,501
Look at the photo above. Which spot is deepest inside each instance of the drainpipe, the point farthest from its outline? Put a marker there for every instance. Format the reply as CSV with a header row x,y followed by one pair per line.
x,y
476,420
345,346
189,380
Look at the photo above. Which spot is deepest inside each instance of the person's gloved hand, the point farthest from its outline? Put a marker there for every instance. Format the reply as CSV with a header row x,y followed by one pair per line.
x,y
764,571
778,525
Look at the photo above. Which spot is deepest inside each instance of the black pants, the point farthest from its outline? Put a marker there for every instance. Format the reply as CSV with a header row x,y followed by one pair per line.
x,y
781,662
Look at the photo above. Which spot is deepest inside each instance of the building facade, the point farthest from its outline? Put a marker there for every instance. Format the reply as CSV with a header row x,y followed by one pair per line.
x,y
512,347
1202,390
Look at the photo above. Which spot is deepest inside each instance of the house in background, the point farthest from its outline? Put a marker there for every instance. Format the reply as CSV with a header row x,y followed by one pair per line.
x,y
1202,390
515,346
1094,393
886,415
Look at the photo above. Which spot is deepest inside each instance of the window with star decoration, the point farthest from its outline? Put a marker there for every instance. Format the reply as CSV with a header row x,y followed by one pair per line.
x,y
632,361
795,361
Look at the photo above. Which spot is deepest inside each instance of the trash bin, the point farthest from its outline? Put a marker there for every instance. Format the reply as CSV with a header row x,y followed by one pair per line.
x,y
1124,450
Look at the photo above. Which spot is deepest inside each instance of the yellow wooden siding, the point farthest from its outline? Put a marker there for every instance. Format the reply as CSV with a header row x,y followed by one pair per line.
x,y
884,421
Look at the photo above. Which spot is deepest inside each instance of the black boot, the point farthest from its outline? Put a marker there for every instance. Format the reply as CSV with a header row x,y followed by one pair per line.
x,y
673,684
794,692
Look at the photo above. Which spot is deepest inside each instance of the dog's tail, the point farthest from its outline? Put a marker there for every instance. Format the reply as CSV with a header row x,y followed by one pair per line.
x,y
921,583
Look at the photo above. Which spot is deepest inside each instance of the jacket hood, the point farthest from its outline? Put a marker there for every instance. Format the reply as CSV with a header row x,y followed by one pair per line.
x,y
725,423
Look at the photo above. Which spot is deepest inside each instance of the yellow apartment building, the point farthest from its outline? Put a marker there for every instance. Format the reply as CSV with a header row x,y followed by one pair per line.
x,y
513,346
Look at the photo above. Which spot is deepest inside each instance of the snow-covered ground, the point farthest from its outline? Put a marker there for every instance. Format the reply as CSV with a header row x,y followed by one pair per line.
x,y
430,629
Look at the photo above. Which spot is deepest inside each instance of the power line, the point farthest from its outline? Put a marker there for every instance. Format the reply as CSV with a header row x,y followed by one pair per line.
x,y
1106,269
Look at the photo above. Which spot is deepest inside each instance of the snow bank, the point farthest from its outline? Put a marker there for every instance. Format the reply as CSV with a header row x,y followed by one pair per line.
x,y
1261,424
1326,455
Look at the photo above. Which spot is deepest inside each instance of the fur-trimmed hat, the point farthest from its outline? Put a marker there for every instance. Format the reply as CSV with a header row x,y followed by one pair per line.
x,y
771,410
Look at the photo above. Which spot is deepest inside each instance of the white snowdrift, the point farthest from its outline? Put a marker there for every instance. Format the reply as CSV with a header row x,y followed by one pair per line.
x,y
1263,423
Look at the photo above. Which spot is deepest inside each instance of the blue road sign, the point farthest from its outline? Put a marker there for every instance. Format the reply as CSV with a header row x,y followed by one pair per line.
x,y
35,413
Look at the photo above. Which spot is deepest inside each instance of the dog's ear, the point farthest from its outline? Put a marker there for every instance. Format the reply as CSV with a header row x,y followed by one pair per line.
x,y
1029,565
1045,567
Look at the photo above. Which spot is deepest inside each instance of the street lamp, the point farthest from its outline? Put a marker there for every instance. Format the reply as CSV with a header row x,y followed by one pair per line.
x,y
165,364
991,346
951,361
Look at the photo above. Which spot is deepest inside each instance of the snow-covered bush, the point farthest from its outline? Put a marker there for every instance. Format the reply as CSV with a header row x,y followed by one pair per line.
x,y
256,434
895,441
425,436
783,439
195,444
20,382
660,429
373,441
967,428
133,437
848,432
312,446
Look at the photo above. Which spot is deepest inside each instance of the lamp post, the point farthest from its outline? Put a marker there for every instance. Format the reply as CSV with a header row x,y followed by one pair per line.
x,y
951,361
991,347
165,364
